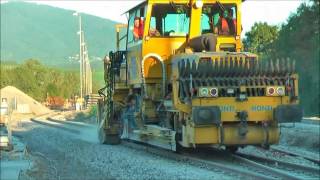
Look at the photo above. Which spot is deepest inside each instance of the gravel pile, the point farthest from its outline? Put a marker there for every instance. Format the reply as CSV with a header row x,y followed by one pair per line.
x,y
79,159
11,92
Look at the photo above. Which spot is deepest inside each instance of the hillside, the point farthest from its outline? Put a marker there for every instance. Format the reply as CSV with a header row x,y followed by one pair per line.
x,y
49,34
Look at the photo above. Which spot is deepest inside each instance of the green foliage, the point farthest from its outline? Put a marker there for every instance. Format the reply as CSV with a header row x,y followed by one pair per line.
x,y
98,76
52,89
39,81
261,38
298,39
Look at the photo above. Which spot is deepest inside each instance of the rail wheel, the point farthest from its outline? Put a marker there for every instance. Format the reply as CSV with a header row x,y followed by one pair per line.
x,y
105,138
102,136
232,149
108,134
107,128
179,147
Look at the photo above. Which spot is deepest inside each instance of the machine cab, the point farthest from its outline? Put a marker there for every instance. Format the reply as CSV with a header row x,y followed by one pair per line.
x,y
157,30
180,87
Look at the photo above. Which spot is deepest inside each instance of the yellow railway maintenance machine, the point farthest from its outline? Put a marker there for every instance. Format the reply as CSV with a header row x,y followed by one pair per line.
x,y
183,82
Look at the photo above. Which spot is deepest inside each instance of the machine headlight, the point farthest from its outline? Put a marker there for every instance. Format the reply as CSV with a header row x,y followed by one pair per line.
x,y
270,91
275,91
280,91
214,92
203,92
208,92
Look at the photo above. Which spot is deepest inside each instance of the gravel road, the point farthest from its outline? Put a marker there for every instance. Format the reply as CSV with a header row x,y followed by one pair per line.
x,y
63,155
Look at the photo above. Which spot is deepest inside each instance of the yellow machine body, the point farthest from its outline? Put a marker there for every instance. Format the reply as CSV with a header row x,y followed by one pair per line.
x,y
175,84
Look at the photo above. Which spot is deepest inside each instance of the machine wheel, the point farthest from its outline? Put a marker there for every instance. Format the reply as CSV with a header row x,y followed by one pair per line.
x,y
104,138
266,146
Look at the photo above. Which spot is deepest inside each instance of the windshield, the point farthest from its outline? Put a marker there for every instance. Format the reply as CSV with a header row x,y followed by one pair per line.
x,y
219,19
169,20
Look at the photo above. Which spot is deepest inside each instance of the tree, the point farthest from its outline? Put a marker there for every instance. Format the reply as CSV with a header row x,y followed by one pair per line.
x,y
299,40
52,90
37,80
260,39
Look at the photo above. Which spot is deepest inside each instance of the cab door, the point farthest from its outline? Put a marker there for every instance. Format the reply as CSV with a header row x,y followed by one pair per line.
x,y
134,46
165,31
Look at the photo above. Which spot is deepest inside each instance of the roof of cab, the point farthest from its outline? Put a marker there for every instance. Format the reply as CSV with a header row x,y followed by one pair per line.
x,y
182,1
135,7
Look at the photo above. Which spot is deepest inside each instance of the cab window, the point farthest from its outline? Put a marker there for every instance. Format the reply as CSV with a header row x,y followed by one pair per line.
x,y
136,24
169,20
219,19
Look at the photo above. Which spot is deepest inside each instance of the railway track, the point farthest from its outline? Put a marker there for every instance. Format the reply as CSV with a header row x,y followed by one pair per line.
x,y
314,159
302,171
236,165
271,169
55,125
193,159
311,121
77,124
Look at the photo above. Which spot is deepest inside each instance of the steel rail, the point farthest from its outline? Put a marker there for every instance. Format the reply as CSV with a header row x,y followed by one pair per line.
x,y
278,173
65,122
313,159
55,126
307,169
194,160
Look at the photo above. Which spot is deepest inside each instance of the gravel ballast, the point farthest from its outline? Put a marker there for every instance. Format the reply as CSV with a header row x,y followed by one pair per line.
x,y
61,154
76,158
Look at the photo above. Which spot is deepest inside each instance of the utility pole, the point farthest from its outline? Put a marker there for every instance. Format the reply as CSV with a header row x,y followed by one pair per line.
x,y
85,68
80,52
87,72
